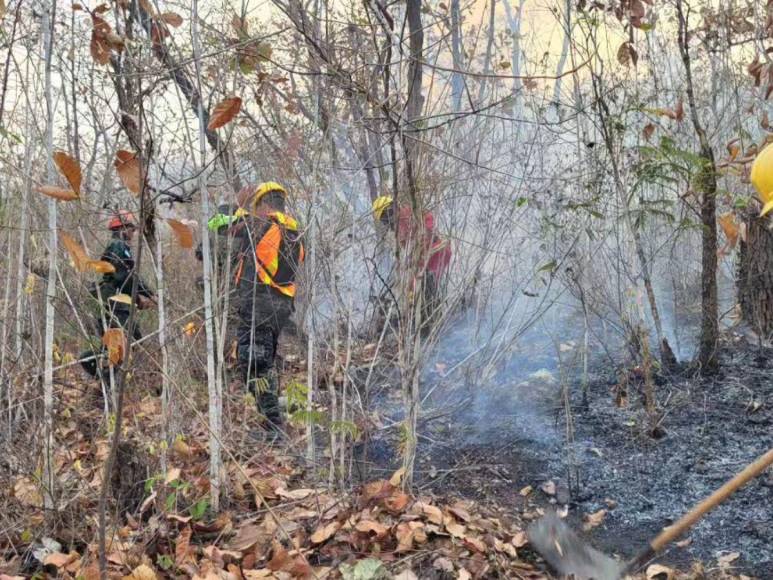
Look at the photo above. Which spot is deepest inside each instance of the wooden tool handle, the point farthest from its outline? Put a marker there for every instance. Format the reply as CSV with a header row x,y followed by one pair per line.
x,y
687,521
690,518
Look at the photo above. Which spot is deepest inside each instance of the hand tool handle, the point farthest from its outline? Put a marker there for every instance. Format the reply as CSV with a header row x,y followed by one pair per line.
x,y
688,520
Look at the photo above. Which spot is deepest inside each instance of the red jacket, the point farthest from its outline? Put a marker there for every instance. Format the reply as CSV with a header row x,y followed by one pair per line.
x,y
437,251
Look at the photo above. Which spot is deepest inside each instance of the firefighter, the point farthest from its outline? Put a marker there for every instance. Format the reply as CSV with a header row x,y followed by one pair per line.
x,y
434,251
268,255
220,224
115,288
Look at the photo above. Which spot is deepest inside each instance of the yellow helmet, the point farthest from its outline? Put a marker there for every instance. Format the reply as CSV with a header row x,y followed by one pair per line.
x,y
265,188
762,177
380,204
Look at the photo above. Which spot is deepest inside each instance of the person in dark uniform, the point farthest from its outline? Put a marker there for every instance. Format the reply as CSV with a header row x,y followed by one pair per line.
x,y
268,255
113,292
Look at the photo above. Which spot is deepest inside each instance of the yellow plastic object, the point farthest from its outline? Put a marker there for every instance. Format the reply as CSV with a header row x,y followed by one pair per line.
x,y
265,188
762,177
380,204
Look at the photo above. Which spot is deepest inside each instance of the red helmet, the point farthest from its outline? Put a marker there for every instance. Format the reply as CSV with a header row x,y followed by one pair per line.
x,y
122,219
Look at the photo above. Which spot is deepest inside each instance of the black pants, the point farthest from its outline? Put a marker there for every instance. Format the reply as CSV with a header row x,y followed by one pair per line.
x,y
115,317
260,323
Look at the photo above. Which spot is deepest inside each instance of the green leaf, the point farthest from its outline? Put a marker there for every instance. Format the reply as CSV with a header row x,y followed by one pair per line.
x,y
549,267
198,509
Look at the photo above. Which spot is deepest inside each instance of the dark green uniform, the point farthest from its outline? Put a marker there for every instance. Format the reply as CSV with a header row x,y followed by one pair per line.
x,y
116,314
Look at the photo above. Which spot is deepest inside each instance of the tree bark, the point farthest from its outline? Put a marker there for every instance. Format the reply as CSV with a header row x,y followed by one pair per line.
x,y
47,23
755,277
213,381
706,184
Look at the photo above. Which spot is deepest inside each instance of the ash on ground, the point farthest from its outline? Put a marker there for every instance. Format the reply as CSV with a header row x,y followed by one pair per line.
x,y
512,434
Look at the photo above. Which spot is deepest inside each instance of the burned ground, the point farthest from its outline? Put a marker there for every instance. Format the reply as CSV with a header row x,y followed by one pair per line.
x,y
513,435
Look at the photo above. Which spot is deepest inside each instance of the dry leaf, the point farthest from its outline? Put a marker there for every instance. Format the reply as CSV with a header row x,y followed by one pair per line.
x,y
730,228
59,560
142,572
406,575
397,477
224,113
172,475
464,574
101,267
397,502
679,111
659,572
593,520
526,490
115,341
77,253
128,167
648,130
183,233
172,19
59,193
456,530
725,561
122,298
246,537
182,546
520,539
190,329
294,494
432,512
69,169
475,544
371,526
322,534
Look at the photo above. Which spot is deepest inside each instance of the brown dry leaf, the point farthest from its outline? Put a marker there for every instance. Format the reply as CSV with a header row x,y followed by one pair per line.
x,y
100,49
79,258
397,502
256,574
443,564
404,535
725,561
70,170
464,574
397,477
246,537
101,267
122,298
172,19
730,228
460,512
659,572
679,111
431,512
526,490
128,167
224,112
59,193
324,533
371,526
456,530
733,149
171,475
59,560
142,572
593,520
376,490
182,232
520,539
294,494
475,544
648,130
182,547
115,341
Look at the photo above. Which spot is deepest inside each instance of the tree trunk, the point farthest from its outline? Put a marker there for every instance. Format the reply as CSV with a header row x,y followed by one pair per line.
x,y
213,382
706,184
755,277
47,23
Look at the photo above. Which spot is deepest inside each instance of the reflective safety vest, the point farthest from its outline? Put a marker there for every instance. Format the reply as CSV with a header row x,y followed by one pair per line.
x,y
277,255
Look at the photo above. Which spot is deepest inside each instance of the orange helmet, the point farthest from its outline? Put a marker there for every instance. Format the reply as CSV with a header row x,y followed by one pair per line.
x,y
122,219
